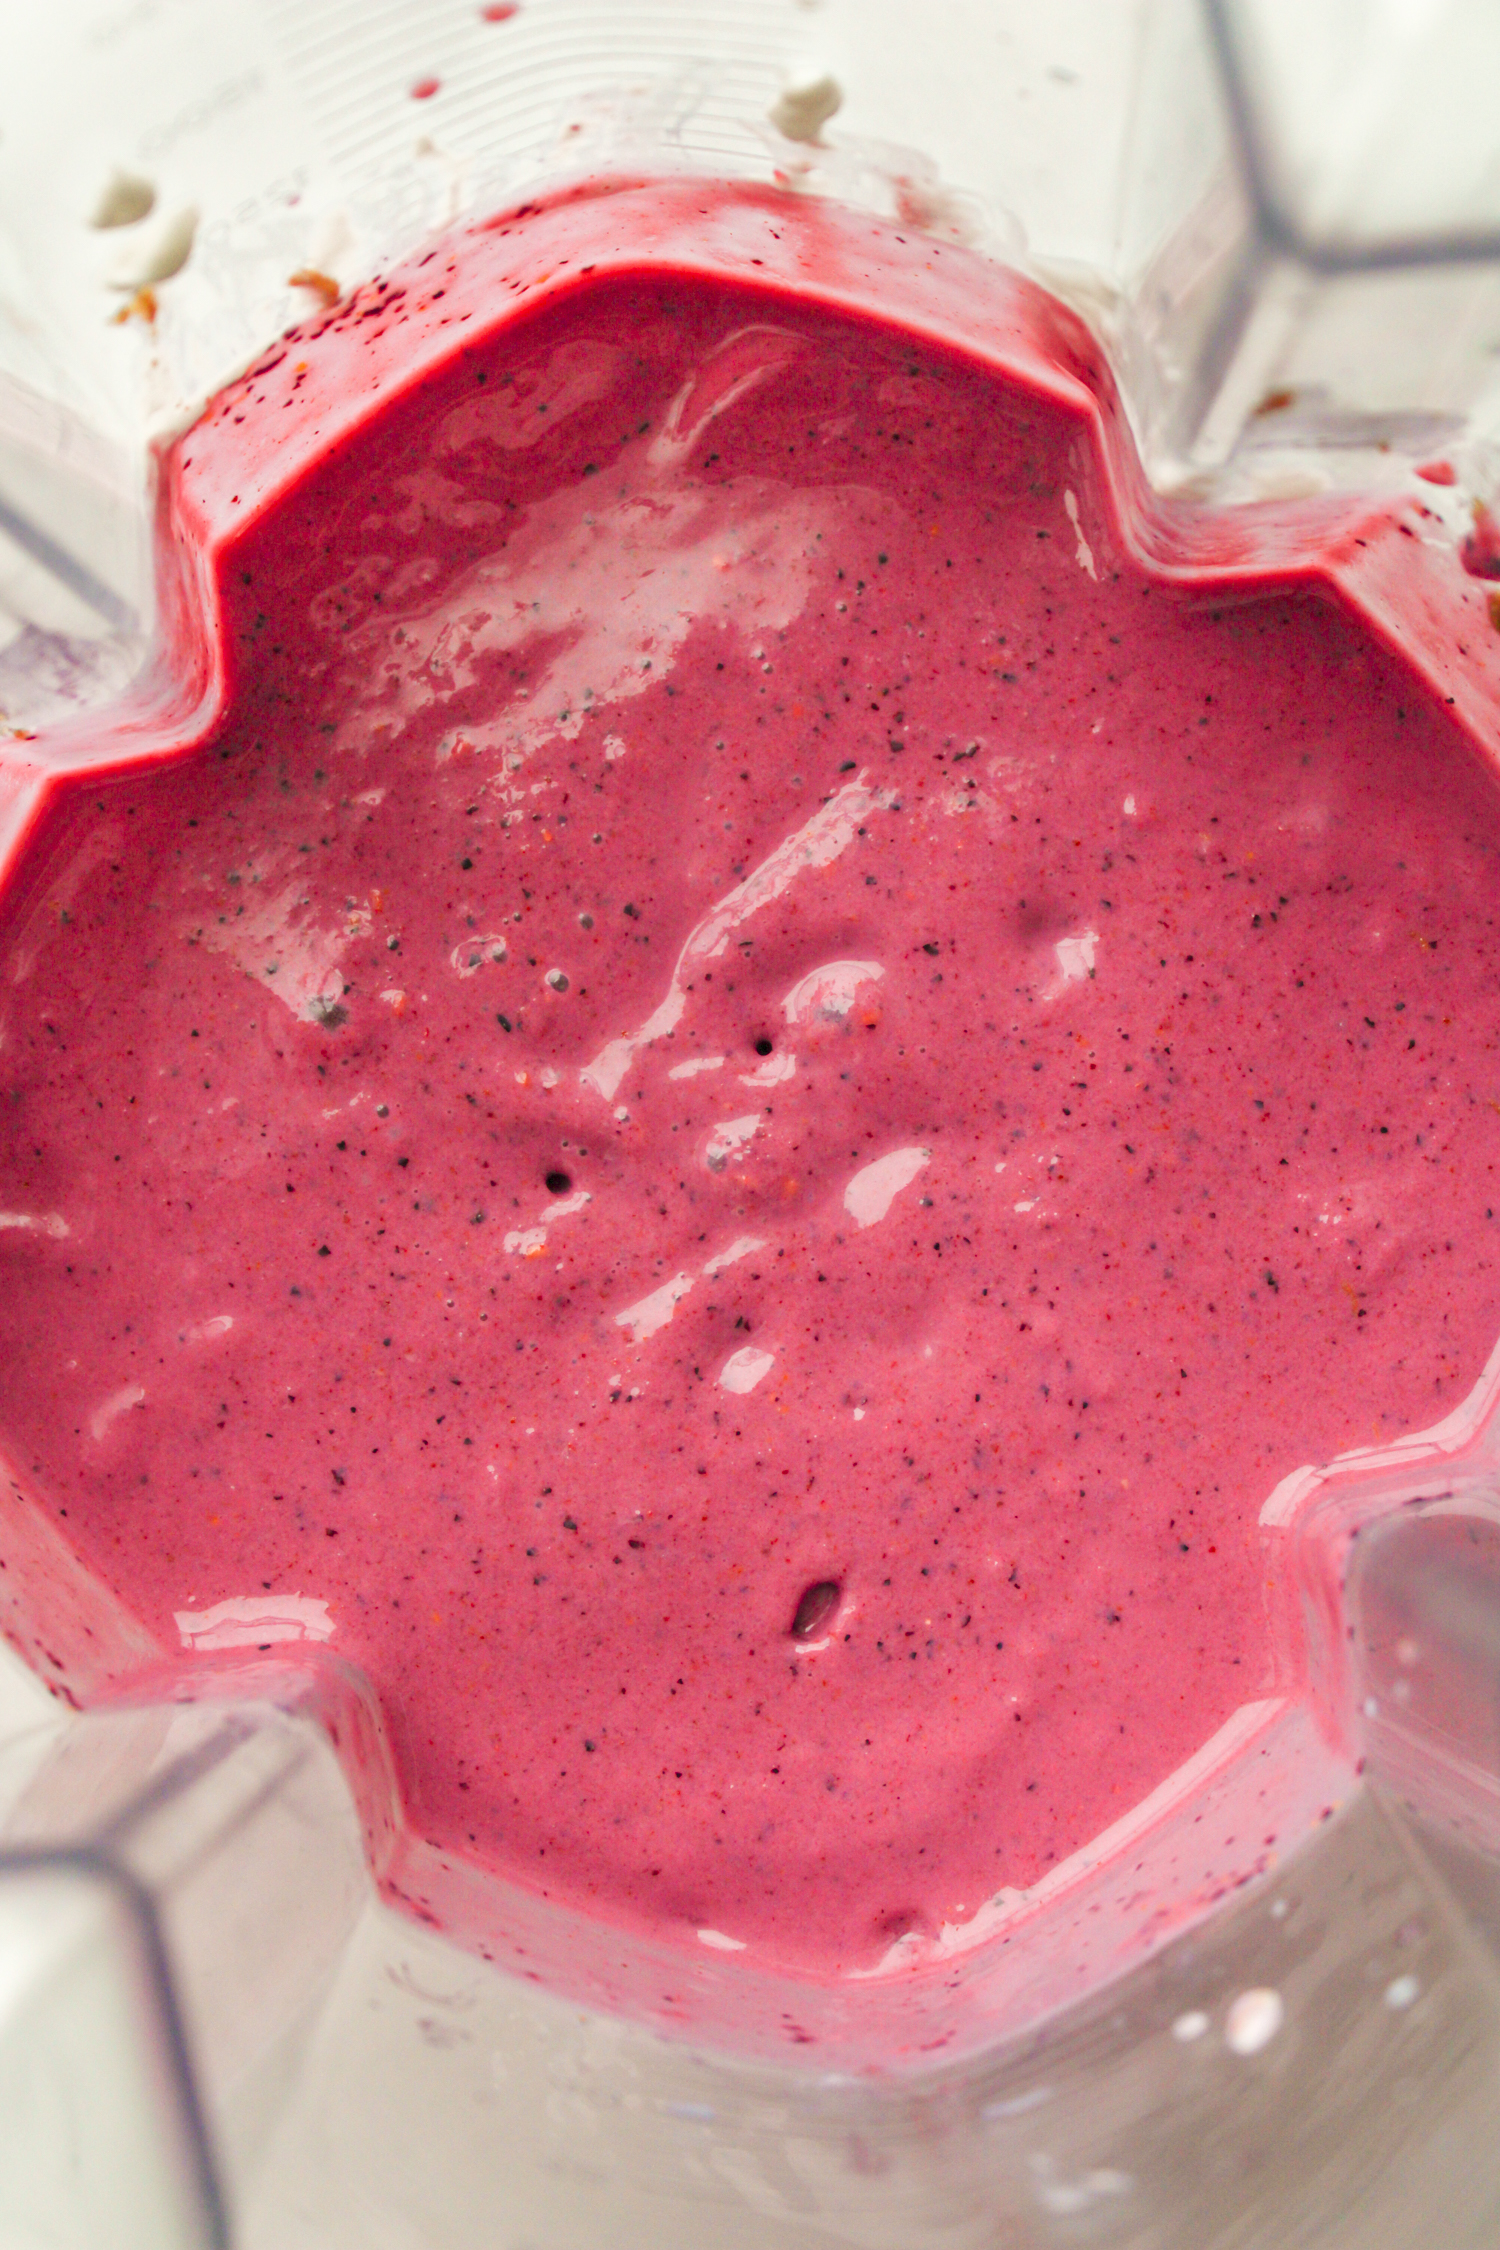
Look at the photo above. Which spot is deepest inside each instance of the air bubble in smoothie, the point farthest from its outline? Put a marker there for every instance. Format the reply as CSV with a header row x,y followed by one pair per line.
x,y
816,1608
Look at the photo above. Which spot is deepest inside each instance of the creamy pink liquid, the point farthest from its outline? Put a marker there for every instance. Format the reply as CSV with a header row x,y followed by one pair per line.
x,y
746,1110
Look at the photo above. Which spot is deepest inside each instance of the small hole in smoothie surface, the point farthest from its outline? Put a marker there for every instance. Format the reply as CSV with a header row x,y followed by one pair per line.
x,y
558,1183
762,1046
817,1605
905,1922
898,1924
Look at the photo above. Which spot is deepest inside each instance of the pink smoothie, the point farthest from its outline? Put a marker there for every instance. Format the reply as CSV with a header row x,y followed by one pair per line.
x,y
745,1108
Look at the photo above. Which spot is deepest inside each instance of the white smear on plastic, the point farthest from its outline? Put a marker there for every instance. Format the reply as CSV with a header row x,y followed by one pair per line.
x,y
745,1368
1191,2025
1401,1992
720,1944
251,1620
872,1191
699,1063
653,1312
1254,2020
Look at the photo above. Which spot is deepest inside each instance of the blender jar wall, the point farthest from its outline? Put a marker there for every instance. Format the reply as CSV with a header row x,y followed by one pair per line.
x,y
1031,2138
1192,176
102,2140
178,1882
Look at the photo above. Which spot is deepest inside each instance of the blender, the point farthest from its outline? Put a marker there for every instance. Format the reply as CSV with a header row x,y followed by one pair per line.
x,y
214,2029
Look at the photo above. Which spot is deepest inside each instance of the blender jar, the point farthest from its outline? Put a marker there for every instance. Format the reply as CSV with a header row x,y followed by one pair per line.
x,y
212,2029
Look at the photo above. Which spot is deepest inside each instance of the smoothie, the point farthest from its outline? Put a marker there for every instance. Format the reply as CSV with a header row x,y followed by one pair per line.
x,y
751,1098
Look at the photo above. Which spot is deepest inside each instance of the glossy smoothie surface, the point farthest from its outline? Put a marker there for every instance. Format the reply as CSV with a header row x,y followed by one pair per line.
x,y
744,1113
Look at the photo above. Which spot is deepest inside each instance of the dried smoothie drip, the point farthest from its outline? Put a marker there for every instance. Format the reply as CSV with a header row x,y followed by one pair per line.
x,y
742,1114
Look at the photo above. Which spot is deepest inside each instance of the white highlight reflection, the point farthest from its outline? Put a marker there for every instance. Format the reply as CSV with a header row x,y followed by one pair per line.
x,y
651,1313
872,1191
817,843
745,1368
251,1620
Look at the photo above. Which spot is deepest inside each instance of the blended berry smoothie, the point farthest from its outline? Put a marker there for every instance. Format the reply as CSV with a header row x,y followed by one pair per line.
x,y
747,1104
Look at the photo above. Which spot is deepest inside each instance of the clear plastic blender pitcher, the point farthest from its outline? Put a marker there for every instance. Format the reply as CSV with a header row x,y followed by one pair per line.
x,y
213,2028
